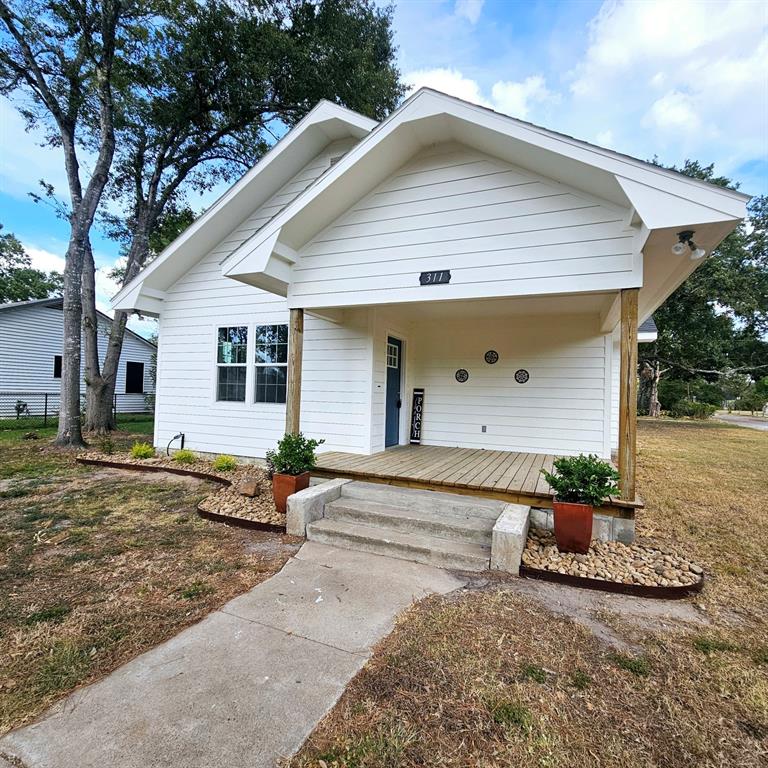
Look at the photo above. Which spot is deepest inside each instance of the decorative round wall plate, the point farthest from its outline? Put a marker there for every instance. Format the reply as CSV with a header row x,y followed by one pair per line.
x,y
491,356
521,376
462,375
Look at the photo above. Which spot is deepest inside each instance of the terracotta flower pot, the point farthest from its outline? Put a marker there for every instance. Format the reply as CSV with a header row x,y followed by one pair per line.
x,y
285,485
573,526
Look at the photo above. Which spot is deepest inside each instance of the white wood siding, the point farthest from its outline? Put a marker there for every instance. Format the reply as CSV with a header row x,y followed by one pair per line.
x,y
336,386
500,230
561,410
30,338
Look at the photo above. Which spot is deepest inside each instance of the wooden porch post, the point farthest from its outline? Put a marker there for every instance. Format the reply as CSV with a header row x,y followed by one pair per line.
x,y
628,393
295,353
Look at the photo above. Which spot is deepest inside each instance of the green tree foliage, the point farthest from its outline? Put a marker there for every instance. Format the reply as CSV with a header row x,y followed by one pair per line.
x,y
19,281
715,325
218,83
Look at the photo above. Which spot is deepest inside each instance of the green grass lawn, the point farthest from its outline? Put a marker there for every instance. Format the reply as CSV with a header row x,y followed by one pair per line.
x,y
98,565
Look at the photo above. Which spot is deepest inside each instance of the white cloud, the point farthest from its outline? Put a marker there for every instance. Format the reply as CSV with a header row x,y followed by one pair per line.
x,y
516,99
106,287
449,81
605,138
512,98
469,9
691,73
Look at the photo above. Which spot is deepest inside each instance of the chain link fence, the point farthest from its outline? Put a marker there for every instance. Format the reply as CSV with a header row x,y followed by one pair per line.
x,y
41,409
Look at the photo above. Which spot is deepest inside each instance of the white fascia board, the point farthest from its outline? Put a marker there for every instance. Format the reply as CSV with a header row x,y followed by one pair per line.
x,y
326,122
660,209
646,337
644,180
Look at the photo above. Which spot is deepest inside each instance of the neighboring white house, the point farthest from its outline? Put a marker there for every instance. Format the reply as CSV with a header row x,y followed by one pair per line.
x,y
449,248
31,338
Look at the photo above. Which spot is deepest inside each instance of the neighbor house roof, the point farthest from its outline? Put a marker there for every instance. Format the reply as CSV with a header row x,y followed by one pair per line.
x,y
647,331
58,303
658,202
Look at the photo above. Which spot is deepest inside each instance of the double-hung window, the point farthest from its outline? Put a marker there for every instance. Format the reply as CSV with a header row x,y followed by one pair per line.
x,y
271,362
231,363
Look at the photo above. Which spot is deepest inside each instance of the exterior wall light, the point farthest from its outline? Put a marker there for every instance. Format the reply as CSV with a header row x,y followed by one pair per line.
x,y
685,238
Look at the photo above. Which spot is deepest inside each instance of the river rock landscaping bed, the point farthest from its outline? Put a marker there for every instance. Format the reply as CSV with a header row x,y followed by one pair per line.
x,y
227,502
611,561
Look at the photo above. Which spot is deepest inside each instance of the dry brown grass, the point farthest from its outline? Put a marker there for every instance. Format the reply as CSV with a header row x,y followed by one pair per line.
x,y
490,677
97,566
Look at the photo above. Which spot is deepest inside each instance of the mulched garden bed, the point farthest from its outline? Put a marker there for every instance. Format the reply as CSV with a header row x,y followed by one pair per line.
x,y
636,569
224,505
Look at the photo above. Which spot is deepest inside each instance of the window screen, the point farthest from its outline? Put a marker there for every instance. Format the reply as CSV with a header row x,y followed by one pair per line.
x,y
134,378
271,359
231,361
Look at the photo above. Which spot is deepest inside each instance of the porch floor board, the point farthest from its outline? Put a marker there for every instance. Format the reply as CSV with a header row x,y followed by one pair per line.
x,y
510,475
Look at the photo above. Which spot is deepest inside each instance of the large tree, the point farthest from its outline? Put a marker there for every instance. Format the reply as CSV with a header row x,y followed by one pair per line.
x,y
224,80
60,62
715,324
19,280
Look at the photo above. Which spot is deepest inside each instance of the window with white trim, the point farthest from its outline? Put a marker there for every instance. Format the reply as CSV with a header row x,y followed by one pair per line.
x,y
271,362
231,363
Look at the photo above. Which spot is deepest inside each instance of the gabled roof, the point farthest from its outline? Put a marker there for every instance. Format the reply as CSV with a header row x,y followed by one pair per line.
x,y
657,202
325,123
57,302
647,331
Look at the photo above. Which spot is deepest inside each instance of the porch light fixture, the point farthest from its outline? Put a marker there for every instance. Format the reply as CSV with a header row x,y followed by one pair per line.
x,y
685,239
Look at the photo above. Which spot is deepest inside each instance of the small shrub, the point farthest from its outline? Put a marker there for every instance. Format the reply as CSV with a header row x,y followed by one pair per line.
x,y
54,614
184,456
107,445
535,673
636,665
691,409
712,644
224,463
295,454
583,480
580,680
142,451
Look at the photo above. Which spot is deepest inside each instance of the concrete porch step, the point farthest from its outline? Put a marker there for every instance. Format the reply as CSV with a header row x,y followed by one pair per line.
x,y
445,524
424,501
418,547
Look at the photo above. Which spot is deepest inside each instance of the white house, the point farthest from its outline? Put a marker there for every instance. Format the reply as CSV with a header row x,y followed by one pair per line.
x,y
31,339
498,266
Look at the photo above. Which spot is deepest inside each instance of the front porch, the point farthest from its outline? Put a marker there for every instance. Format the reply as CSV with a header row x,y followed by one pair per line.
x,y
511,476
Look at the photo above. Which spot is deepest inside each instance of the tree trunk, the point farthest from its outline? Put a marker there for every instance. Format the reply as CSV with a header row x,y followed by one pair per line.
x,y
101,380
70,431
648,391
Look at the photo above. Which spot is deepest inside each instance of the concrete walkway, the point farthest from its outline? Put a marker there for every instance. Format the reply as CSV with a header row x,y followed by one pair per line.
x,y
246,685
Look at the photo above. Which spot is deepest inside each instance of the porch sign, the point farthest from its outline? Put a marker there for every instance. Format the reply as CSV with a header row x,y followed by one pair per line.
x,y
416,413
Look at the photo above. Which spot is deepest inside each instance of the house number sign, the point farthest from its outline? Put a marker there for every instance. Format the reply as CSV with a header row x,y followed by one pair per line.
x,y
417,411
438,277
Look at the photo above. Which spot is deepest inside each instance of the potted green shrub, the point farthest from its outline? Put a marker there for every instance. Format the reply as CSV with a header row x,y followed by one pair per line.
x,y
290,466
580,484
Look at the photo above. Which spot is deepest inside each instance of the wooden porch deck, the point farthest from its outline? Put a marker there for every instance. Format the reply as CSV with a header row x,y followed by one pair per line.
x,y
508,475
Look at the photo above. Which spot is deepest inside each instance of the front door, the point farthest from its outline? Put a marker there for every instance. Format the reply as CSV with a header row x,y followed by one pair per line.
x,y
394,371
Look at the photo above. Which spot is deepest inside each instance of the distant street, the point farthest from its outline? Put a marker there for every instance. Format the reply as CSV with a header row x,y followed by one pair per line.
x,y
753,422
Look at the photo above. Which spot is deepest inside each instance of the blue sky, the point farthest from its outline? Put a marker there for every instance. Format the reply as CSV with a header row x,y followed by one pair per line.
x,y
673,78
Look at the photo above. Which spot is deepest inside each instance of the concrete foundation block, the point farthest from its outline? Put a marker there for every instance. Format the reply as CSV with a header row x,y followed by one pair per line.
x,y
602,527
508,539
541,518
307,506
623,530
